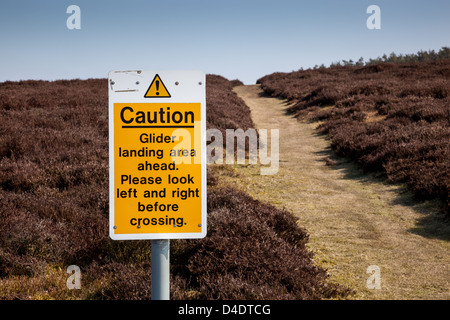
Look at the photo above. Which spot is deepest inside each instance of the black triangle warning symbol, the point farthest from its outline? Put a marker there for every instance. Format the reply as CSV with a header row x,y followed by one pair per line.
x,y
157,89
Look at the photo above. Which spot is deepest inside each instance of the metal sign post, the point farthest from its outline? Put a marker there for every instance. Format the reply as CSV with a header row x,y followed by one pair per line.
x,y
157,161
161,269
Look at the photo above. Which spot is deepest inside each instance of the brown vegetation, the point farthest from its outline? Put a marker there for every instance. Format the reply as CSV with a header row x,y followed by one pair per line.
x,y
391,118
54,210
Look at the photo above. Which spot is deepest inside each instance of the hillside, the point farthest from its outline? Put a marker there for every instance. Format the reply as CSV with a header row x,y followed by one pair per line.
x,y
356,221
392,119
54,210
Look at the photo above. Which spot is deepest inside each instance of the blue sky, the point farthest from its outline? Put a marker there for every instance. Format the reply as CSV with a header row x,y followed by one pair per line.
x,y
243,39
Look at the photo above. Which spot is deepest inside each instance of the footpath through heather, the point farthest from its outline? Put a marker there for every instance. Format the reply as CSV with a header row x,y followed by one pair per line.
x,y
355,221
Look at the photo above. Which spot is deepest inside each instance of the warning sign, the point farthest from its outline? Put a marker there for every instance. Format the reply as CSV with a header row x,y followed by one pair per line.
x,y
157,171
157,89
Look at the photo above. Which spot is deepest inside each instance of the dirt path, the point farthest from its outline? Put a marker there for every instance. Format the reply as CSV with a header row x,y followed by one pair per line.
x,y
354,221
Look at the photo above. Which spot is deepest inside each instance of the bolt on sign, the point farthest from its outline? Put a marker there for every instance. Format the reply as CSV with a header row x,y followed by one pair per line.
x,y
157,154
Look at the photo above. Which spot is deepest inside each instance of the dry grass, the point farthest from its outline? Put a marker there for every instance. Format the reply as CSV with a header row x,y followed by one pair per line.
x,y
373,116
390,118
355,220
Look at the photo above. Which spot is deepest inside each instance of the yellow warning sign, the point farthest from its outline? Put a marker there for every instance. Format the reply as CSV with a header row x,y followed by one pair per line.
x,y
157,89
157,158
158,172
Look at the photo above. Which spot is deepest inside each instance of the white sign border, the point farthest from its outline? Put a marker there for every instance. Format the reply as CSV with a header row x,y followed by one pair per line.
x,y
185,86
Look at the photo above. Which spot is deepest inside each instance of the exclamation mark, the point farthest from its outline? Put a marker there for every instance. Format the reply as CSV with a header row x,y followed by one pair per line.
x,y
157,87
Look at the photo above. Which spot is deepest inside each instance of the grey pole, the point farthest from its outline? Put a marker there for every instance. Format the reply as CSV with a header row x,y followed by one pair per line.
x,y
160,270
